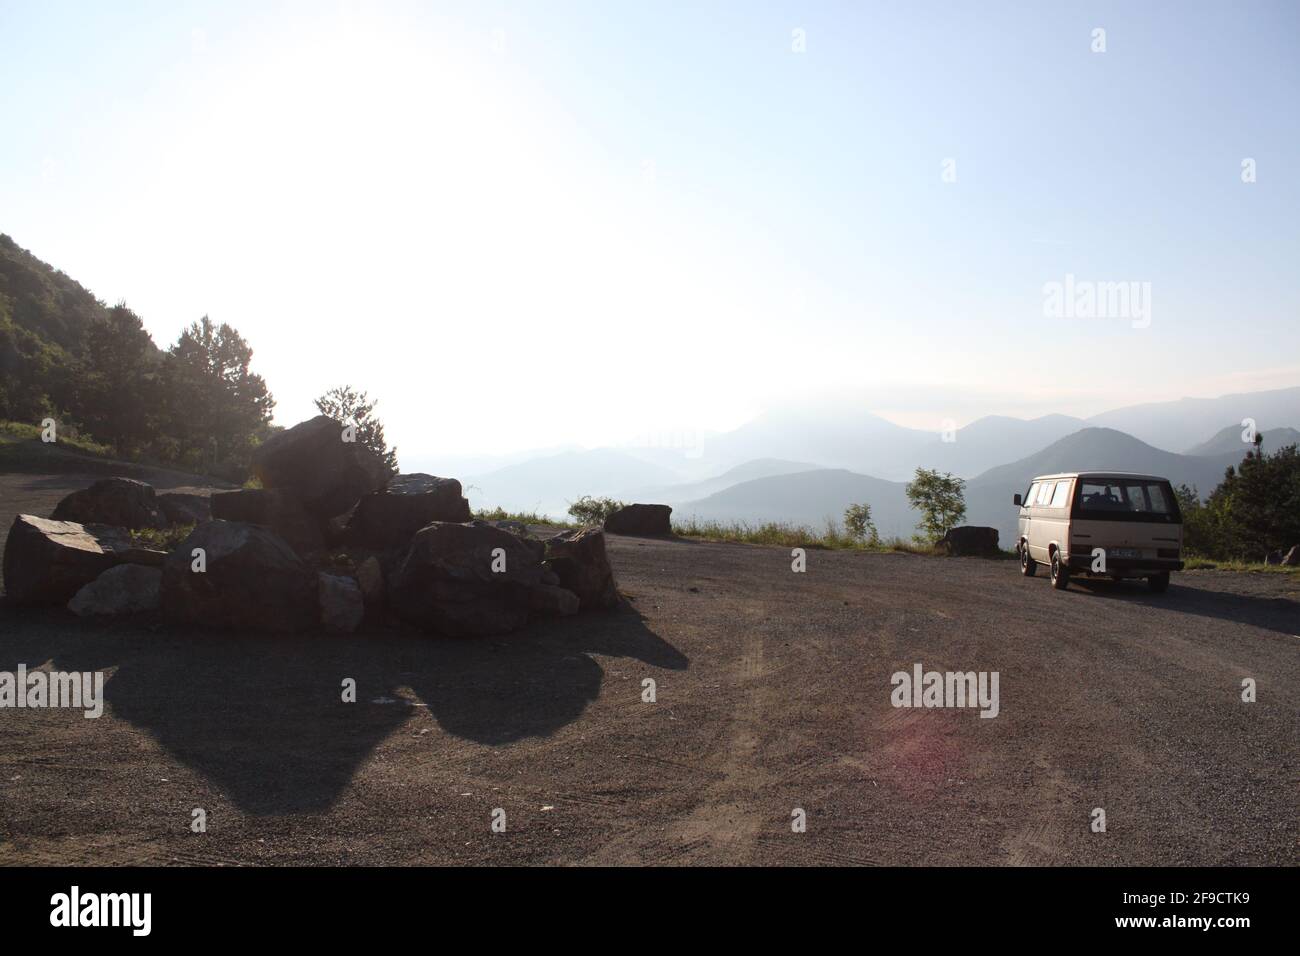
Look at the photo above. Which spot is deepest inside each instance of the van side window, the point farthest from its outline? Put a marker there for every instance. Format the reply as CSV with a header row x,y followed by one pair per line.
x,y
1029,495
1060,497
1044,494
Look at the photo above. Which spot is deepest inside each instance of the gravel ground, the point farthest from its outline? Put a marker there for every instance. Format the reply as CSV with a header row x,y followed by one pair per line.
x,y
773,693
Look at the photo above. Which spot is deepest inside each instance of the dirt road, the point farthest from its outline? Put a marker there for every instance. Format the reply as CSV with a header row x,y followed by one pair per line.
x,y
773,693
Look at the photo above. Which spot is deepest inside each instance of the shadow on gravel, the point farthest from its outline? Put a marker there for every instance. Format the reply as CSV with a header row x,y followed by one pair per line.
x,y
1272,614
262,717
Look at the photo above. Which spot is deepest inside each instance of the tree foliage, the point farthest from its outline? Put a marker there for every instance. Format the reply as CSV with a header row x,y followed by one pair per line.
x,y
857,521
347,406
1255,509
940,499
590,510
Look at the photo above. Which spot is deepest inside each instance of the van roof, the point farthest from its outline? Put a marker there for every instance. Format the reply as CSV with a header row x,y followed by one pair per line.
x,y
1101,474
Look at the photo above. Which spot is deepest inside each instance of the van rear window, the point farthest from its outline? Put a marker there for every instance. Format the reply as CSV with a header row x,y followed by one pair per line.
x,y
1125,499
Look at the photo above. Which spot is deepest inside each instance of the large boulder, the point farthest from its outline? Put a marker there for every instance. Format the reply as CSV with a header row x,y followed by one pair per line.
x,y
280,511
251,580
47,561
120,502
181,509
578,559
312,460
970,541
341,605
465,580
640,520
125,589
387,518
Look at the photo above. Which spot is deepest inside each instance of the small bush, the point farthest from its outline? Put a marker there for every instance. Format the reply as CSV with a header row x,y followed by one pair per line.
x,y
165,539
590,510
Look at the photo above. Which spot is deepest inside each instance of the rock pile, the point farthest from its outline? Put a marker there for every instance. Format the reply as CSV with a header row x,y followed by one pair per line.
x,y
328,541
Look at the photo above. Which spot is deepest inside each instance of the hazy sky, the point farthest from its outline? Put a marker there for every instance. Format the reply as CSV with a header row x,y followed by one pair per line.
x,y
526,224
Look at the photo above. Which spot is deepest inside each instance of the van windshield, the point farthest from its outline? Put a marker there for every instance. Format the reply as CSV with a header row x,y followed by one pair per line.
x,y
1126,499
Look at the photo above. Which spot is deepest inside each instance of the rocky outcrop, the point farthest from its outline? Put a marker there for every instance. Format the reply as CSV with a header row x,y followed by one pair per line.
x,y
640,520
48,561
970,541
182,509
370,578
125,589
311,460
341,605
465,580
388,517
279,511
251,579
579,562
119,502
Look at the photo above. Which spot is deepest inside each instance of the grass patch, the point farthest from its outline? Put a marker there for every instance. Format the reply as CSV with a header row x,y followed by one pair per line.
x,y
1198,563
23,431
831,538
165,539
523,517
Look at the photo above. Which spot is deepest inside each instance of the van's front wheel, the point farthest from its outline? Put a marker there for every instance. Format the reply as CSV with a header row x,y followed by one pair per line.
x,y
1028,566
1159,583
1060,573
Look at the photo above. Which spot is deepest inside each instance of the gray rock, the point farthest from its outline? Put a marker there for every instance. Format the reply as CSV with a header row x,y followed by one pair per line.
x,y
48,562
279,511
120,502
970,541
1273,557
551,600
579,560
640,520
325,473
125,589
1292,559
370,578
342,607
389,517
446,583
253,581
181,509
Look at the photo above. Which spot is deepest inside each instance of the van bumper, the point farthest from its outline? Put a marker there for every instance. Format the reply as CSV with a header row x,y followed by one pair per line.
x,y
1131,567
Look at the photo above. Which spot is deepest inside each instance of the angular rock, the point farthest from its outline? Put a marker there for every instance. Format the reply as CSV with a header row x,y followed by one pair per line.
x,y
181,509
446,583
279,511
48,562
120,502
578,559
388,518
552,600
341,605
640,520
325,473
370,578
970,541
253,580
125,589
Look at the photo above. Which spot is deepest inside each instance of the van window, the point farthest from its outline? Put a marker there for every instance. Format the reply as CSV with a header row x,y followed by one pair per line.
x,y
1029,495
1126,499
1060,497
1044,494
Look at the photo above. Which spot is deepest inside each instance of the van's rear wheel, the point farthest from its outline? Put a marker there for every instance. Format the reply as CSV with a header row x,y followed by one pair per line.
x,y
1028,566
1159,583
1060,573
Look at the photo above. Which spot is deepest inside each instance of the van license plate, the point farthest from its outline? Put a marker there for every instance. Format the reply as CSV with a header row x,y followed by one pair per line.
x,y
1124,552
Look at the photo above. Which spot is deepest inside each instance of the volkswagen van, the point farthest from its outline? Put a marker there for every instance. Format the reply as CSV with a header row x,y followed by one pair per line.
x,y
1100,524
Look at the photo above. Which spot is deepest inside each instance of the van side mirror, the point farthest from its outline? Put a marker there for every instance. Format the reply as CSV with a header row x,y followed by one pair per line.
x,y
1017,500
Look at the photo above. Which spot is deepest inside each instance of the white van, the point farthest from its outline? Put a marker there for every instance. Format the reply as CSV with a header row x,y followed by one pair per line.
x,y
1101,524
